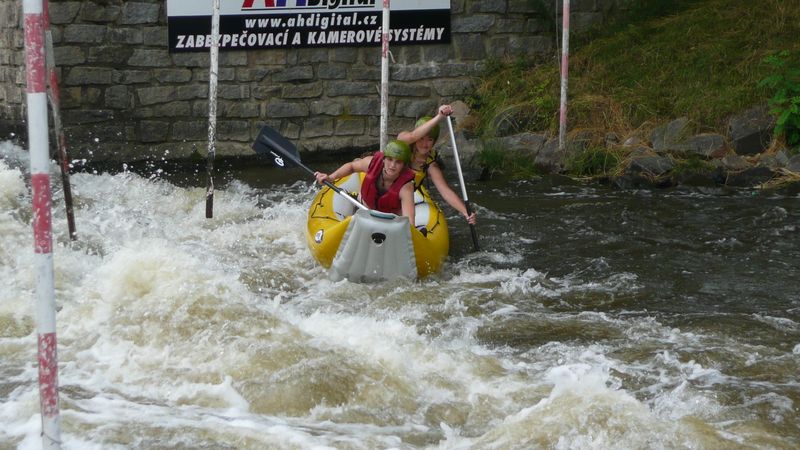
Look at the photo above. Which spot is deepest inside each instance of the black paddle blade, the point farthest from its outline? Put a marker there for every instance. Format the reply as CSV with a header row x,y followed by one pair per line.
x,y
274,146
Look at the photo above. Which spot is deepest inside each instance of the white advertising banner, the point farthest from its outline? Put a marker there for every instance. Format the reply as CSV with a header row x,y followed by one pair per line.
x,y
267,24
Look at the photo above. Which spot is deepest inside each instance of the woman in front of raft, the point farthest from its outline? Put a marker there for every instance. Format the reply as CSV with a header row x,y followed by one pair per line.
x,y
425,163
388,185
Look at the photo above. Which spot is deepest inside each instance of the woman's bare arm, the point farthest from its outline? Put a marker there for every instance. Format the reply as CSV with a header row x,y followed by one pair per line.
x,y
407,201
409,137
359,165
447,193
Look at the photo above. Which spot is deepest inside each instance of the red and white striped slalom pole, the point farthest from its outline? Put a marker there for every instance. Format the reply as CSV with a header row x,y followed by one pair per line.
x,y
384,138
42,221
562,120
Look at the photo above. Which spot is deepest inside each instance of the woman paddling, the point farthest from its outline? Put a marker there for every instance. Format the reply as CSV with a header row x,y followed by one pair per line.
x,y
425,161
388,185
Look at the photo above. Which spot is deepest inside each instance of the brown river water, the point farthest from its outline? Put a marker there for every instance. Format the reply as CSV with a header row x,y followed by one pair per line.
x,y
591,318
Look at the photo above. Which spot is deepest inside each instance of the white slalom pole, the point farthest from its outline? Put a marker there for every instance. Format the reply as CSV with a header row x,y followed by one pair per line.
x,y
562,122
385,76
38,140
212,108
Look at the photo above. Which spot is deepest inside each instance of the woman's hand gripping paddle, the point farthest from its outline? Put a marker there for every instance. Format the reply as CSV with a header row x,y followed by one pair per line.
x,y
283,153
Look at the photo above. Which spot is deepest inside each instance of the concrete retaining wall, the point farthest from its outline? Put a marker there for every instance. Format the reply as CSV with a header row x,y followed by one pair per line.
x,y
125,97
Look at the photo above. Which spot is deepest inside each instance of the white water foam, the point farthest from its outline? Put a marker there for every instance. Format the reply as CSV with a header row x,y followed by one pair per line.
x,y
178,331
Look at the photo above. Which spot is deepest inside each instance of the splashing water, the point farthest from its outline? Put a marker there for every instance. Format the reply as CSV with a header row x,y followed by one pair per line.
x,y
176,331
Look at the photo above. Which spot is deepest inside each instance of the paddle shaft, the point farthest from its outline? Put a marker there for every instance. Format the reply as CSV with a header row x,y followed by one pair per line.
x,y
461,181
285,153
337,189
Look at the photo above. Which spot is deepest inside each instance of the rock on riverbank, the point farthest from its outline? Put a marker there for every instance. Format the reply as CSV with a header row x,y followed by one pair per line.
x,y
670,154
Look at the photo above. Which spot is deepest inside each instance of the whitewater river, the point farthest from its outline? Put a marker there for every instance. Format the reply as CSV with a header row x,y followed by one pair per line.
x,y
592,318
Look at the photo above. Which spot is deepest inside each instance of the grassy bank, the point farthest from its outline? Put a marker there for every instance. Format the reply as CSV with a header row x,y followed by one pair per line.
x,y
700,59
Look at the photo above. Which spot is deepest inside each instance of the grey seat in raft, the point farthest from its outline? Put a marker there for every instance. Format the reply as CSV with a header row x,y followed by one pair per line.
x,y
376,246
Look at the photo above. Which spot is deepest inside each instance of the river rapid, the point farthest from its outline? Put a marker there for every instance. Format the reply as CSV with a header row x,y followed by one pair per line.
x,y
591,318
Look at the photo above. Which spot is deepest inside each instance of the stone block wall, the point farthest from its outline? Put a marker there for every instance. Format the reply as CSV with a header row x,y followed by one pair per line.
x,y
125,97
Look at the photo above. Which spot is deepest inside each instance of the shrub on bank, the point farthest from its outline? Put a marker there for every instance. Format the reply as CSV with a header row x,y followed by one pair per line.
x,y
700,61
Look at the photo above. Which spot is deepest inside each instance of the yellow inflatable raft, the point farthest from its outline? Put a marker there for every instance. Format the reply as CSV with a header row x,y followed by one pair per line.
x,y
364,245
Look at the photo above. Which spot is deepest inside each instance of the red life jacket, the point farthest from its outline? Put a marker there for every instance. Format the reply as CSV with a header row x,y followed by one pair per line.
x,y
389,202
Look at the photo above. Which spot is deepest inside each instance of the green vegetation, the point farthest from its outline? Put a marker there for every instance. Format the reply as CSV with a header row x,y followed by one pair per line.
x,y
785,103
495,159
594,161
701,59
694,164
509,94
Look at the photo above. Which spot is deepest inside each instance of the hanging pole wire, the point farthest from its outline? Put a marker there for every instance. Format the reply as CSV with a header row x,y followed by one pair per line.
x,y
385,76
562,121
54,94
212,108
38,140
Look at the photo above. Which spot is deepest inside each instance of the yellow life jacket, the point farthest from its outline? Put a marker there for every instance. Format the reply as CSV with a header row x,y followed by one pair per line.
x,y
421,175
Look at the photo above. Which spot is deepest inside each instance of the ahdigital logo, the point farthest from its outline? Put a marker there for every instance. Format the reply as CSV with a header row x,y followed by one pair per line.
x,y
315,4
